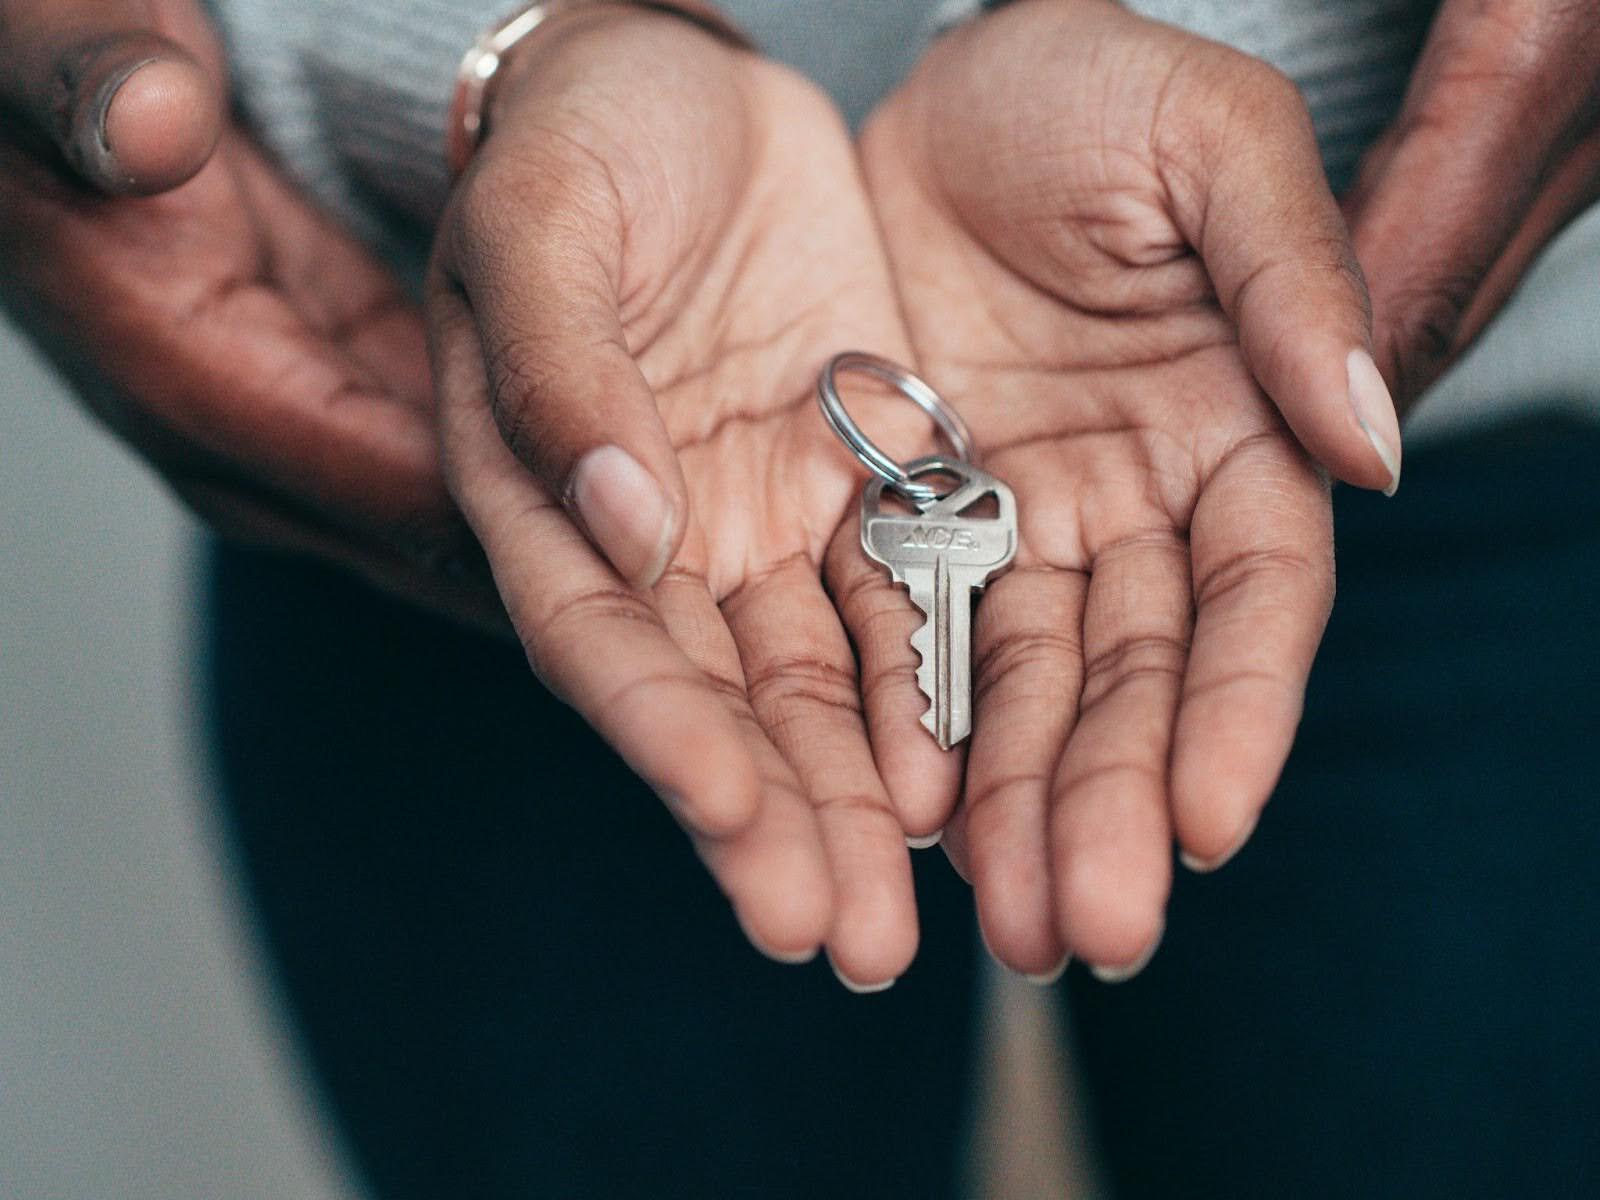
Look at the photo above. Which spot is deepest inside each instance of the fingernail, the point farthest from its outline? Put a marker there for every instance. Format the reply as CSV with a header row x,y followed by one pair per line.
x,y
626,513
789,958
859,989
91,140
925,843
1126,972
1374,409
1204,866
1051,978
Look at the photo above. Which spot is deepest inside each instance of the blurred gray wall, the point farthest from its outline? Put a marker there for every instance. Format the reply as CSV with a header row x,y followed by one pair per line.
x,y
141,1056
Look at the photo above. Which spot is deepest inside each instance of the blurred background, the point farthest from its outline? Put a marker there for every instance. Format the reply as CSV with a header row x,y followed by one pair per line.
x,y
140,1052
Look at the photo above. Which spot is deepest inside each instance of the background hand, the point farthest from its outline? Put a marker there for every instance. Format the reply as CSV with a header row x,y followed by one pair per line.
x,y
1115,242
660,242
1496,149
252,352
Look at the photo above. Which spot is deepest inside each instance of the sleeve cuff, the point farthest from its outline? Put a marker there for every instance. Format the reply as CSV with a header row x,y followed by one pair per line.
x,y
353,94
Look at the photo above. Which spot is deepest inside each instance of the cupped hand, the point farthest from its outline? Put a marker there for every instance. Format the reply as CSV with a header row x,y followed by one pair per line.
x,y
257,356
1495,150
1119,257
659,243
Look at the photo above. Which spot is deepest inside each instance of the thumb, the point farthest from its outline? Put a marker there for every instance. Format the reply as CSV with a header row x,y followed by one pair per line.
x,y
1486,136
566,393
1254,200
95,82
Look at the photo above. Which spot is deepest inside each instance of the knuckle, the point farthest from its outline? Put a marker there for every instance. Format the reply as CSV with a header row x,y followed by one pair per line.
x,y
517,379
1156,656
1424,324
863,809
796,688
1281,570
1025,784
1053,657
568,631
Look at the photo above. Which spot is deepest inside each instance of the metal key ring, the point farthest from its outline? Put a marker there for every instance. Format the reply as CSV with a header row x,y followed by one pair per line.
x,y
914,390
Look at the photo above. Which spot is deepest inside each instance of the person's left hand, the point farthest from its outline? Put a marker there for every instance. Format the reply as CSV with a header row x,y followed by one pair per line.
x,y
1496,149
1119,256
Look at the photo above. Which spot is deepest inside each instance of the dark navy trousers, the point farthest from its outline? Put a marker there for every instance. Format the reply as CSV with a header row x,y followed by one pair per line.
x,y
513,979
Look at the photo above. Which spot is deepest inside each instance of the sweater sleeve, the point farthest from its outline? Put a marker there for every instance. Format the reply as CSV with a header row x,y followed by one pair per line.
x,y
352,95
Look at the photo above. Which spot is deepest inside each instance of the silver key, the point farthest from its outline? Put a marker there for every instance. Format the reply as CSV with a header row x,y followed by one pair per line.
x,y
943,557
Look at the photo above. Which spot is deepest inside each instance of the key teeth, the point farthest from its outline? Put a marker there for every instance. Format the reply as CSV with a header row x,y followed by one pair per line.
x,y
922,643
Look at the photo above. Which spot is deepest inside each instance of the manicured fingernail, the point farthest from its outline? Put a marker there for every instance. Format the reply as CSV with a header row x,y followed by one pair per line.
x,y
626,513
1116,974
1051,978
1204,866
859,989
1374,409
925,843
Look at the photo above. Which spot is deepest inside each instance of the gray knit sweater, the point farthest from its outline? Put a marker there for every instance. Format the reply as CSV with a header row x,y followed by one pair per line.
x,y
352,95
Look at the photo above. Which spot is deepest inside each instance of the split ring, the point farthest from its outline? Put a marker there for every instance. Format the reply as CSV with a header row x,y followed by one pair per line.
x,y
914,390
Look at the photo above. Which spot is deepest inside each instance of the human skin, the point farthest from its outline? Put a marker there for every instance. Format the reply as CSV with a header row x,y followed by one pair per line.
x,y
1118,254
657,284
254,353
206,345
1494,152
633,287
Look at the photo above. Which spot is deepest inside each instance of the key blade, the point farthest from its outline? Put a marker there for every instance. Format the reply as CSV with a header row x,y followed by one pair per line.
x,y
944,558
943,642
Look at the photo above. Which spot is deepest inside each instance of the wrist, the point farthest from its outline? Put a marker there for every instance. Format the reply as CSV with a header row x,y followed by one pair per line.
x,y
507,53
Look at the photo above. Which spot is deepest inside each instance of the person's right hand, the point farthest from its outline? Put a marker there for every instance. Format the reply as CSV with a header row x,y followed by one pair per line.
x,y
660,242
253,352
1118,253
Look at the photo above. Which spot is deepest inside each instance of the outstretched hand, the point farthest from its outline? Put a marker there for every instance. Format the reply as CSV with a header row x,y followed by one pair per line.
x,y
1119,256
1103,237
658,244
264,363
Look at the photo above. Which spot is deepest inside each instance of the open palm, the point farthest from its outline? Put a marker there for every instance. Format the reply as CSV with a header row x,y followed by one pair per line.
x,y
666,278
1108,237
254,353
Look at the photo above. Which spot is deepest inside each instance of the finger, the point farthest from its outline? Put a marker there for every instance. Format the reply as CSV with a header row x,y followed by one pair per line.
x,y
923,781
462,591
1110,829
954,844
803,689
1253,198
775,871
1262,543
1027,674
310,388
598,644
336,286
566,394
1491,107
128,109
1572,189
